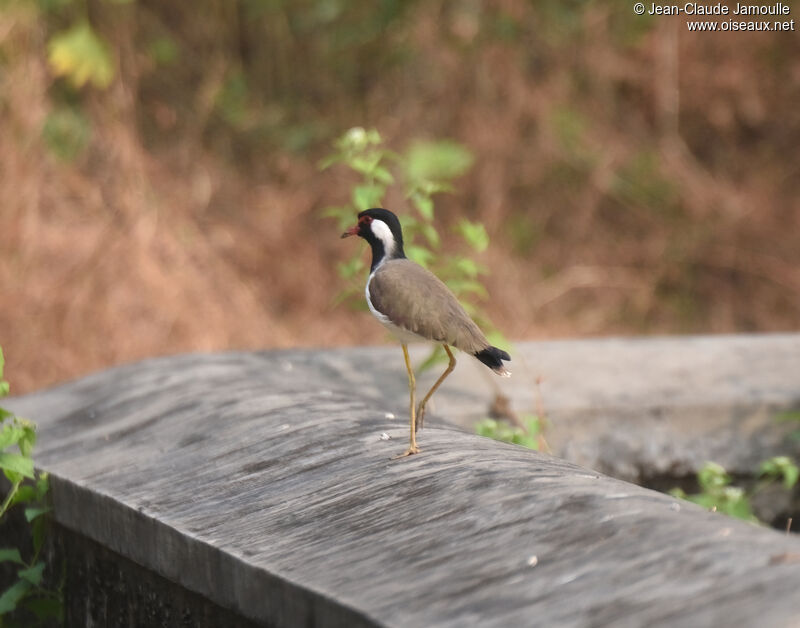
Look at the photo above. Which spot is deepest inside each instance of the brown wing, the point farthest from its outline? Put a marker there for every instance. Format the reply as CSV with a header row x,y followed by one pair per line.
x,y
415,299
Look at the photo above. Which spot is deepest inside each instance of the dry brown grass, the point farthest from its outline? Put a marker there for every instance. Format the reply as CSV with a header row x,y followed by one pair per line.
x,y
143,248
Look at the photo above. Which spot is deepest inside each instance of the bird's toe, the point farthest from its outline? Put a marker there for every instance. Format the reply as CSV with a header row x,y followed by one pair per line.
x,y
408,452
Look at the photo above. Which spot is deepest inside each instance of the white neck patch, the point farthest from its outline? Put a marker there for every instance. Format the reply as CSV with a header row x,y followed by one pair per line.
x,y
381,231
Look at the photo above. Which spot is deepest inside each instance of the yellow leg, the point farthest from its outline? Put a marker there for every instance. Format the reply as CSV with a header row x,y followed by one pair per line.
x,y
448,370
412,385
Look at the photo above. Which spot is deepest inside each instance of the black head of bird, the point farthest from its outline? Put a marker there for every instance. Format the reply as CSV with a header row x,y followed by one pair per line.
x,y
415,305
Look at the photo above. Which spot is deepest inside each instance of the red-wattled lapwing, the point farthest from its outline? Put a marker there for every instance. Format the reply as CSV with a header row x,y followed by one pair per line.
x,y
415,305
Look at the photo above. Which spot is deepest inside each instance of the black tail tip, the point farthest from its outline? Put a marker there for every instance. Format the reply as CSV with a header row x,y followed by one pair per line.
x,y
493,358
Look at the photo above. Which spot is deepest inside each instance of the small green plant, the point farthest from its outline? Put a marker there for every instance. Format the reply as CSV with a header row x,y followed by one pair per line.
x,y
530,436
717,493
780,469
28,489
424,170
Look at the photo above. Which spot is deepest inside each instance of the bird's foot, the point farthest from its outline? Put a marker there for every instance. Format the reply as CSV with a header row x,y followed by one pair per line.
x,y
408,452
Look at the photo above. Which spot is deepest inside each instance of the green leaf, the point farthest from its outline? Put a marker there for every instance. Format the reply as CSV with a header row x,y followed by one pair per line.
x,y
464,286
502,431
365,164
330,160
34,512
430,233
469,268
486,427
716,493
32,574
409,224
350,268
10,435
42,485
12,595
383,175
10,554
533,423
419,254
38,533
25,494
429,188
712,477
344,215
474,233
367,196
432,161
45,608
738,507
80,55
790,476
373,137
28,439
781,467
16,464
336,211
424,205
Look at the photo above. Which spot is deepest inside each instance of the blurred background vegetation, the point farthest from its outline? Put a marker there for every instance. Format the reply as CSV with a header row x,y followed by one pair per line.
x,y
160,189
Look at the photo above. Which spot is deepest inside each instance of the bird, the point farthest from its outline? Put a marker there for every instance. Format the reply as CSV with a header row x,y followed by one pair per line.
x,y
415,305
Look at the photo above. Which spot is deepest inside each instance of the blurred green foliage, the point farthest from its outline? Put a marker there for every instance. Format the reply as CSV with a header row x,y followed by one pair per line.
x,y
66,132
529,437
780,469
640,184
82,56
424,170
602,139
717,493
26,599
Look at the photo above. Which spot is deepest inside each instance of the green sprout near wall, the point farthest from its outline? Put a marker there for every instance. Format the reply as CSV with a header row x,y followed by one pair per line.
x,y
718,493
28,490
530,436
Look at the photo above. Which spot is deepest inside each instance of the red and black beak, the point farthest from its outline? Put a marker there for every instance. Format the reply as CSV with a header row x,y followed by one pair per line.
x,y
351,232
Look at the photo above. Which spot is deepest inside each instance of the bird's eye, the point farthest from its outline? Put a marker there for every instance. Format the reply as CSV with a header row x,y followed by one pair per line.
x,y
366,219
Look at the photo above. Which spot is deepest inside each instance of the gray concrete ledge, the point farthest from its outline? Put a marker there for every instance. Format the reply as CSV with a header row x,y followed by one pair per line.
x,y
644,407
262,482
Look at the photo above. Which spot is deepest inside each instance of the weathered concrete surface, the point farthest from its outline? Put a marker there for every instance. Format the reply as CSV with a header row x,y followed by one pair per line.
x,y
261,481
638,408
631,408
